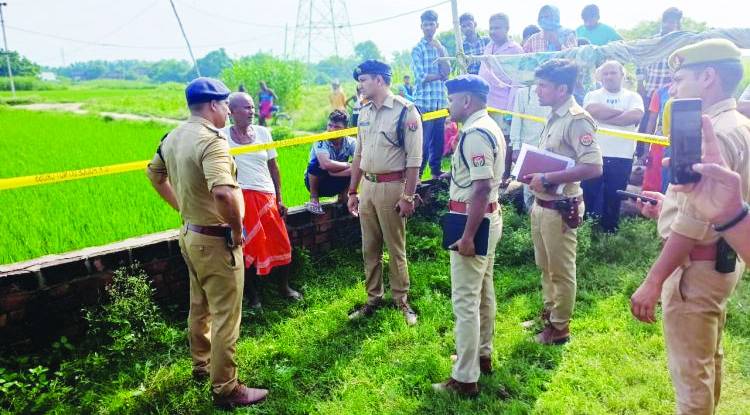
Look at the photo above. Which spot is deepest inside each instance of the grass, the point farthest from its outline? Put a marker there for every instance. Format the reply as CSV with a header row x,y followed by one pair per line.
x,y
71,215
314,361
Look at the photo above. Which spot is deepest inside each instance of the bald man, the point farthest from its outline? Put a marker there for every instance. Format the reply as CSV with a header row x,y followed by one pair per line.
x,y
615,108
267,246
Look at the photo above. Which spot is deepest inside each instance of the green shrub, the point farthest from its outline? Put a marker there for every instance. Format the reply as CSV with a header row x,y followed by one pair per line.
x,y
281,132
129,322
29,83
284,77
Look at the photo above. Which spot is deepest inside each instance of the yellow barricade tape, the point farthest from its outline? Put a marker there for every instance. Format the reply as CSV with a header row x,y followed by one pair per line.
x,y
63,176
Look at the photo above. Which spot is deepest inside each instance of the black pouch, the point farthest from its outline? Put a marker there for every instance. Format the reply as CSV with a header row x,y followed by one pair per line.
x,y
726,257
568,209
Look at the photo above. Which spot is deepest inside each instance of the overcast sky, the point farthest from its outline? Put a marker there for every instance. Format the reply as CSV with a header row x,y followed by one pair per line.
x,y
56,32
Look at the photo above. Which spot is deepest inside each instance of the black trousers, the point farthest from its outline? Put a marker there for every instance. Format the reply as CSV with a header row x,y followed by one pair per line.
x,y
600,194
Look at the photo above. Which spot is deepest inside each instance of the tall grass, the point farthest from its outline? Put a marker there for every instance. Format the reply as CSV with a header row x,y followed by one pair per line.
x,y
71,215
314,361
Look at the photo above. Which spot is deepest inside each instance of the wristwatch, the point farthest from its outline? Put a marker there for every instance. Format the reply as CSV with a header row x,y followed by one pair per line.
x,y
545,182
407,198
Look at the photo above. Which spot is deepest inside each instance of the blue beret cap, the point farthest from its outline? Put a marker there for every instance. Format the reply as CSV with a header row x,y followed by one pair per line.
x,y
468,83
205,89
371,67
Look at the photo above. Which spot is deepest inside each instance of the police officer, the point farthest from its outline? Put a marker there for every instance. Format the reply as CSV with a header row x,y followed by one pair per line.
x,y
695,275
476,172
387,156
193,171
555,216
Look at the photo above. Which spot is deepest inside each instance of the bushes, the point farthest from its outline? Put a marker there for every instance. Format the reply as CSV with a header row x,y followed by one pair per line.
x,y
130,322
128,327
29,83
284,77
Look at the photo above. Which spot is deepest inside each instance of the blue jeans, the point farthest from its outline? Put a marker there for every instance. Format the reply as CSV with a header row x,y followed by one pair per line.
x,y
432,145
600,193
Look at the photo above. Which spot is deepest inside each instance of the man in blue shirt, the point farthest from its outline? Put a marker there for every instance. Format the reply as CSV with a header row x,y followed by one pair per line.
x,y
328,172
429,90
597,33
473,43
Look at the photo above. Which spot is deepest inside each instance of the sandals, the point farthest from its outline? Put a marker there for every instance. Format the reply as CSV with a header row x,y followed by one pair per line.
x,y
314,208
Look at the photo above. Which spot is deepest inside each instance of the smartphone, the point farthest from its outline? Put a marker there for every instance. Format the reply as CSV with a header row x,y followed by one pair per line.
x,y
685,140
630,195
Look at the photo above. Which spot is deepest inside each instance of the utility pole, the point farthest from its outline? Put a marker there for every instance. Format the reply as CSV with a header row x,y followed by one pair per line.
x,y
7,51
333,28
286,32
179,22
460,57
322,30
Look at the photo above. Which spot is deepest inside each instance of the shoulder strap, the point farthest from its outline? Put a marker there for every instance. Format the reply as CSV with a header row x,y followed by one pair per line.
x,y
487,136
158,149
400,128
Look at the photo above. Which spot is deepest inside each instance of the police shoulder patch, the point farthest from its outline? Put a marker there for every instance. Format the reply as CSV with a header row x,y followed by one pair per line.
x,y
586,139
478,160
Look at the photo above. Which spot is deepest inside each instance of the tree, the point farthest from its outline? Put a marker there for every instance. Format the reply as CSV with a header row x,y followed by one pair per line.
x,y
448,39
332,68
212,64
19,65
284,77
367,50
646,29
169,70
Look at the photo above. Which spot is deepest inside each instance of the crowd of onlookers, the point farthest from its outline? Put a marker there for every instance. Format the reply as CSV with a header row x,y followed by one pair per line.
x,y
620,102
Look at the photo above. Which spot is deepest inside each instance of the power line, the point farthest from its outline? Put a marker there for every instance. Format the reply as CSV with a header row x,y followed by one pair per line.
x,y
190,49
123,46
7,52
118,28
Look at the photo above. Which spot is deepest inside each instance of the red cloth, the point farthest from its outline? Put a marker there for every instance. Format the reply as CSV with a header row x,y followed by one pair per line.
x,y
267,242
652,175
449,137
266,108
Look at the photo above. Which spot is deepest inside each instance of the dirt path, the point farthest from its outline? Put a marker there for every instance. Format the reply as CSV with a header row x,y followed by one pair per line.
x,y
77,108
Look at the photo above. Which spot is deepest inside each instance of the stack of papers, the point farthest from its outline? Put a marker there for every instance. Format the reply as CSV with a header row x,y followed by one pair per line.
x,y
534,160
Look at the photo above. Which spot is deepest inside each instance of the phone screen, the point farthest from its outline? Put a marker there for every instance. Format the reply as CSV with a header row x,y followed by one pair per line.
x,y
685,140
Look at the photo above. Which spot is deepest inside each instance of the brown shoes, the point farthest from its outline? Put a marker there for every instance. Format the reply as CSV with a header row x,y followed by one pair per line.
x,y
552,336
466,390
485,364
240,396
200,376
409,315
544,317
366,310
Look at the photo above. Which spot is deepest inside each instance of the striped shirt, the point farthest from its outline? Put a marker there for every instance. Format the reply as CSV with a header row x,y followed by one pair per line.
x,y
475,48
429,96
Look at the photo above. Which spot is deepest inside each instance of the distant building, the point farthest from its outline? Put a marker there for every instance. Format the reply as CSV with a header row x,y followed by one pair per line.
x,y
48,76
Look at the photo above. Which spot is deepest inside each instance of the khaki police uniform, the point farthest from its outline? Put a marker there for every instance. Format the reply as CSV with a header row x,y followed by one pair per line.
x,y
195,156
377,147
472,285
570,131
694,298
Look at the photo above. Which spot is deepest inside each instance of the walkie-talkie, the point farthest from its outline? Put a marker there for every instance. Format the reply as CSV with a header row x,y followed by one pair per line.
x,y
726,257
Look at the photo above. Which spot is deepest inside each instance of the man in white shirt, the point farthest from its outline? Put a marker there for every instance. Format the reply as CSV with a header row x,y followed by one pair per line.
x,y
743,104
614,108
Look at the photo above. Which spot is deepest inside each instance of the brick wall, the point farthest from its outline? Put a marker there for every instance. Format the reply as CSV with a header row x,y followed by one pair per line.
x,y
42,299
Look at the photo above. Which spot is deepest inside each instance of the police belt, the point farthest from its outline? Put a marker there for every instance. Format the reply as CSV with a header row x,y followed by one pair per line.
x,y
463,207
552,204
385,177
219,231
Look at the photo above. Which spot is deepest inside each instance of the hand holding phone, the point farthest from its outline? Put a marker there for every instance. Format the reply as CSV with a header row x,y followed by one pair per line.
x,y
685,140
635,196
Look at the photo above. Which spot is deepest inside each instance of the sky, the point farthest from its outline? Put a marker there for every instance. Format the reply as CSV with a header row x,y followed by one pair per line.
x,y
60,32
